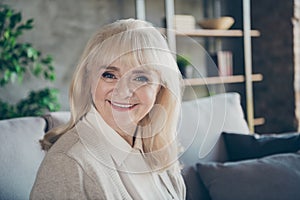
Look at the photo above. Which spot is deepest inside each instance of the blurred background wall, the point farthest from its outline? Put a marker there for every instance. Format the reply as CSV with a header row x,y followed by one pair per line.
x,y
62,28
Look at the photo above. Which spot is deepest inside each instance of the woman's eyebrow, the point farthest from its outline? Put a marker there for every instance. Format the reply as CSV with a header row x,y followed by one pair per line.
x,y
110,68
141,71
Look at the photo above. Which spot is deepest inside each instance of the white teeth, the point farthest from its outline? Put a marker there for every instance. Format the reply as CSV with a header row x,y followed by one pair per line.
x,y
122,105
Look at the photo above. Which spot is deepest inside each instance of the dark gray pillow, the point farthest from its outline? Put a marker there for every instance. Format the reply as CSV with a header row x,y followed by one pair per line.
x,y
241,146
195,188
274,177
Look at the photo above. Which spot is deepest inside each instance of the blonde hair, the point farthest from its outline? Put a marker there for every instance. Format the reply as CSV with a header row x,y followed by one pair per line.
x,y
146,46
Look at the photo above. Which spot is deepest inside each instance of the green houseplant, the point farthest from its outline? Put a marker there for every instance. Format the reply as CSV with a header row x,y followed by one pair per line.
x,y
182,62
17,59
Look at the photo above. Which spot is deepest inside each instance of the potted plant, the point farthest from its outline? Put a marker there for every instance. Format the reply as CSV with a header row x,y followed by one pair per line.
x,y
182,62
17,59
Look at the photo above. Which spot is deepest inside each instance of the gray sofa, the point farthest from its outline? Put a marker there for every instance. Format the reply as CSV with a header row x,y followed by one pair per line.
x,y
200,134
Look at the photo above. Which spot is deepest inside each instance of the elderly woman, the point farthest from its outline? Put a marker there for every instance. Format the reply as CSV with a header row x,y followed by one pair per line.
x,y
120,142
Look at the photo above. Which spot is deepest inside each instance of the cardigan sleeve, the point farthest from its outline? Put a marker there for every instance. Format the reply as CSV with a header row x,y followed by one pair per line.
x,y
61,177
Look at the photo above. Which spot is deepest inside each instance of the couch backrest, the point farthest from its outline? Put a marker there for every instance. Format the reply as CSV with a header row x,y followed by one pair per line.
x,y
20,155
54,119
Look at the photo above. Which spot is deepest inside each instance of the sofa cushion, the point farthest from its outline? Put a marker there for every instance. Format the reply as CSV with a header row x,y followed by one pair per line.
x,y
240,147
202,122
20,154
195,188
272,177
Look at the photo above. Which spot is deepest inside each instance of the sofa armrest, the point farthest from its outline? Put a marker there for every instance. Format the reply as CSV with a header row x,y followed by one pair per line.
x,y
20,154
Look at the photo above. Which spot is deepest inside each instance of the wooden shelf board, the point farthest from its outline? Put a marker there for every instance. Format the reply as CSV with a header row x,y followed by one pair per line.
x,y
259,121
215,33
220,80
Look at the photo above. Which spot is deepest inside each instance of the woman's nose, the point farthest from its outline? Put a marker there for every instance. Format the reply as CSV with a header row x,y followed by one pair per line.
x,y
124,89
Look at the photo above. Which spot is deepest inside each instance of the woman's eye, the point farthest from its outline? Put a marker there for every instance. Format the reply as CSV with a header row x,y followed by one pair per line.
x,y
143,79
108,75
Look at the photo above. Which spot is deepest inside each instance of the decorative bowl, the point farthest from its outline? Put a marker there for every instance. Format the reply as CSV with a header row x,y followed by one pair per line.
x,y
222,23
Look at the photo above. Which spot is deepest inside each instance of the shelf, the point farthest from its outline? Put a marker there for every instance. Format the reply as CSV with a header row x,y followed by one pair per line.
x,y
220,80
215,33
244,32
259,121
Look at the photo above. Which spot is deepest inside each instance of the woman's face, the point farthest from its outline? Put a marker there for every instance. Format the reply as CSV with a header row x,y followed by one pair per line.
x,y
124,95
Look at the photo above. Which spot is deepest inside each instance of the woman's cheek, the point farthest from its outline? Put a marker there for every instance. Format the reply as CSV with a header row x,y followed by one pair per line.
x,y
148,95
102,91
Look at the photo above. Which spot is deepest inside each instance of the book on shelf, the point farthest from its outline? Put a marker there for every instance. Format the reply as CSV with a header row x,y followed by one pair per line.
x,y
223,62
184,22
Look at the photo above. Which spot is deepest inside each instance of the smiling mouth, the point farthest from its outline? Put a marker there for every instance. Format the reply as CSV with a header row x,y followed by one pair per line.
x,y
121,106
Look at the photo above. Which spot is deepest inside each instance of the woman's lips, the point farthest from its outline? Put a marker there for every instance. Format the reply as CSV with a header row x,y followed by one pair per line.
x,y
122,106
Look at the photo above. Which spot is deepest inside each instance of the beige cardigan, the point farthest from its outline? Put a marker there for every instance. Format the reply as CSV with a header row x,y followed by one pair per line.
x,y
80,166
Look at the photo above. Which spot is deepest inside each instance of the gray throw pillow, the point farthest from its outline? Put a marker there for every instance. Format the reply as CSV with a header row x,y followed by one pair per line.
x,y
274,177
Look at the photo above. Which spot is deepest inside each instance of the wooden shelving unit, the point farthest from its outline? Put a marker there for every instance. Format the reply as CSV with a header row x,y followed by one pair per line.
x,y
246,33
259,121
216,33
221,80
212,33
